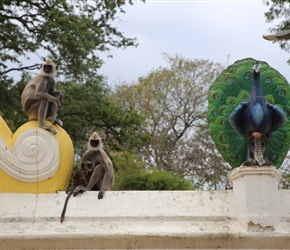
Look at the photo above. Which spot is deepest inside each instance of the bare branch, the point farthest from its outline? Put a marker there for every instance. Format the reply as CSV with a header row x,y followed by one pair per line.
x,y
22,21
32,67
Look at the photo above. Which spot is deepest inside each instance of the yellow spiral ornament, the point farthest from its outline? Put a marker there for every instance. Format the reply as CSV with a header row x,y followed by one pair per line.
x,y
33,160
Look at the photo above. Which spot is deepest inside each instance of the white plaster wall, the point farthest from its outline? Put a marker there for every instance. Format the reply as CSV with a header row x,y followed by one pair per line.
x,y
133,220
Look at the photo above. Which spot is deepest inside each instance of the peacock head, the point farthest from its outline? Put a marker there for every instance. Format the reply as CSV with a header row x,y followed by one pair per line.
x,y
256,68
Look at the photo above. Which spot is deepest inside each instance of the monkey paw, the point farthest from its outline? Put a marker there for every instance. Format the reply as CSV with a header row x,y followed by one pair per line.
x,y
58,122
49,128
52,130
76,191
101,195
79,189
55,121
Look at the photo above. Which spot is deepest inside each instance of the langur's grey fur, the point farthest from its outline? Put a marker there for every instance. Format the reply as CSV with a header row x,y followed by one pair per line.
x,y
40,100
102,178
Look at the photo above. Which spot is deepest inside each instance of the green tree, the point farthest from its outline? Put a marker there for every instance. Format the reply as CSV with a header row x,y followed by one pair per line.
x,y
279,11
71,32
86,108
10,94
131,175
173,101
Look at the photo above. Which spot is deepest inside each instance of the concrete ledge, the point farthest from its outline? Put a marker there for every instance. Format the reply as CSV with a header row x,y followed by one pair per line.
x,y
134,220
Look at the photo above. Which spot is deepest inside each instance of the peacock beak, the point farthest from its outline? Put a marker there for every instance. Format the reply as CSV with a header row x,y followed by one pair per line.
x,y
257,134
256,68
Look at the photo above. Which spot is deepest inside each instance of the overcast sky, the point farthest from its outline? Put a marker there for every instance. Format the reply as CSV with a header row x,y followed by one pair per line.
x,y
221,31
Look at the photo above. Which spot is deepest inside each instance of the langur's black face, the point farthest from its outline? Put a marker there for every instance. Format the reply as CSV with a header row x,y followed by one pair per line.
x,y
47,68
95,143
87,165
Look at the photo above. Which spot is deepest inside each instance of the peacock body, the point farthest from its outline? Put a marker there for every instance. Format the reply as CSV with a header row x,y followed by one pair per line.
x,y
247,108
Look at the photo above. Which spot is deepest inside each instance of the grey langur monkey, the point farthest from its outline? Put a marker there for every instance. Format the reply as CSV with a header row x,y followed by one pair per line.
x,y
40,100
102,178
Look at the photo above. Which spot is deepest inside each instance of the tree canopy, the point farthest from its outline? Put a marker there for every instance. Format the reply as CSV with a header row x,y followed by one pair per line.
x,y
279,14
131,174
71,32
173,102
155,129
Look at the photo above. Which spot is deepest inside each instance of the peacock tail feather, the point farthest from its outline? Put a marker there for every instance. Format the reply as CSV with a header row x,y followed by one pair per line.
x,y
232,87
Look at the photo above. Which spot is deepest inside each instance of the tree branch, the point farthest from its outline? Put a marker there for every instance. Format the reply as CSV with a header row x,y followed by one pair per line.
x,y
35,66
22,21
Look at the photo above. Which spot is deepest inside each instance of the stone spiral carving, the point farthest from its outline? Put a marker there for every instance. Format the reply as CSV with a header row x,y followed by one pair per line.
x,y
34,157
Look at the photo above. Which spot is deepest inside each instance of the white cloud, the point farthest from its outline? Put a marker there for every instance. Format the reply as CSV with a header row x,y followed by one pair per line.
x,y
210,30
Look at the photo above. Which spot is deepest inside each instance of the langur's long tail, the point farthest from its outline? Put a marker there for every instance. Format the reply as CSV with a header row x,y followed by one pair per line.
x,y
65,203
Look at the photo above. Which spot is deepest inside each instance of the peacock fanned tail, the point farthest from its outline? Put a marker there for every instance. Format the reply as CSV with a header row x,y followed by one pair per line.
x,y
232,87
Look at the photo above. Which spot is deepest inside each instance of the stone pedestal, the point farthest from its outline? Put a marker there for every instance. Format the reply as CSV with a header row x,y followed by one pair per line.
x,y
256,197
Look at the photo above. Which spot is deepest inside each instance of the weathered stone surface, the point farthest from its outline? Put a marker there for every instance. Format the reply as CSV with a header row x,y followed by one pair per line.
x,y
133,220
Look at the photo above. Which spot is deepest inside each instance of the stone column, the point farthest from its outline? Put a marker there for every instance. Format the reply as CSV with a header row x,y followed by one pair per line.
x,y
256,197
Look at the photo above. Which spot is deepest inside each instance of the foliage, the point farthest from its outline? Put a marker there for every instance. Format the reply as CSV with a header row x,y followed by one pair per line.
x,y
285,181
156,180
173,101
127,166
10,104
131,175
71,32
279,11
202,162
86,108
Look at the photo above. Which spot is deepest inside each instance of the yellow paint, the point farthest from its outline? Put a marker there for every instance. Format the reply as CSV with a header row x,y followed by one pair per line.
x,y
57,182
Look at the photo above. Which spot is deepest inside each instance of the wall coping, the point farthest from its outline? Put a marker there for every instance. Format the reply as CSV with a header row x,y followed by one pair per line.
x,y
134,220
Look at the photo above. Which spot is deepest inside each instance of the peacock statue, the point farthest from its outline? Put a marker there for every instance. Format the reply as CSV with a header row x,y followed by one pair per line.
x,y
248,114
